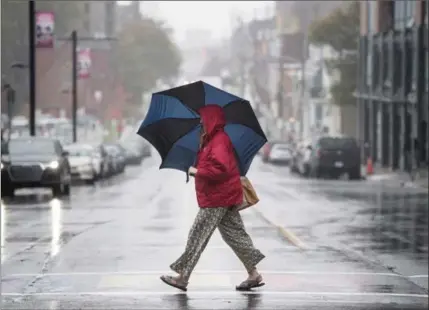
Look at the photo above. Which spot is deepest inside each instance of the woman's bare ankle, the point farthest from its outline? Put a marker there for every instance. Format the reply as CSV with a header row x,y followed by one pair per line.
x,y
253,274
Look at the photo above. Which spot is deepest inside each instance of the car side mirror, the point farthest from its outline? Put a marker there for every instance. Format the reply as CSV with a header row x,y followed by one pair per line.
x,y
65,153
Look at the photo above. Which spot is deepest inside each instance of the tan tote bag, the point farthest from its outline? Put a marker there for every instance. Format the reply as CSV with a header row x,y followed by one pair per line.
x,y
250,198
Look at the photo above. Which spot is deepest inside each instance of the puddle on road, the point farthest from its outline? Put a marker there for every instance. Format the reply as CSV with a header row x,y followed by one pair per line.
x,y
384,221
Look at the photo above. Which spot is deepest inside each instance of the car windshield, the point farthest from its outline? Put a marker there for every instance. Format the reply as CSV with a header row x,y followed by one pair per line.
x,y
80,151
112,149
31,147
337,143
281,147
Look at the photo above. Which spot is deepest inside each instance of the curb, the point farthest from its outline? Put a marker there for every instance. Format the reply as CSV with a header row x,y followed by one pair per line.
x,y
286,233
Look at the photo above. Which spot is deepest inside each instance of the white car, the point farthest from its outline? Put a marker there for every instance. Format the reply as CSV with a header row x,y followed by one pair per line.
x,y
280,153
83,162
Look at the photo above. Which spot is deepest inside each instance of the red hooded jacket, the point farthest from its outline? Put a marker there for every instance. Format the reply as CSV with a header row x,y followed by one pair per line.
x,y
217,181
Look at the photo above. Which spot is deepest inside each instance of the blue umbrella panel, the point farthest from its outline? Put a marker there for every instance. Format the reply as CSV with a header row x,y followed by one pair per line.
x,y
172,124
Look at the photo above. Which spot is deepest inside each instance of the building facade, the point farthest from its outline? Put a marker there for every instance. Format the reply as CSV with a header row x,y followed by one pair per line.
x,y
392,86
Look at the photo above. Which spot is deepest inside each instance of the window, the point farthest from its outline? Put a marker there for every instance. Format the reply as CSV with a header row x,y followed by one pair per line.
x,y
31,147
403,14
371,19
337,143
386,55
369,62
425,13
376,65
87,16
427,70
409,77
397,67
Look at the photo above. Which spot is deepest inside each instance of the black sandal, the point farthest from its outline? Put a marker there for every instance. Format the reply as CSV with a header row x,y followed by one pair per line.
x,y
247,285
169,280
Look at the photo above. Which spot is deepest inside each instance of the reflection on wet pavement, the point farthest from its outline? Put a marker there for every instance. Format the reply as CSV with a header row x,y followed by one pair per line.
x,y
106,247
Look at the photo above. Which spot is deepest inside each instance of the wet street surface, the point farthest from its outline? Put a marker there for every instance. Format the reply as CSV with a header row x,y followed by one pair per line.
x,y
366,245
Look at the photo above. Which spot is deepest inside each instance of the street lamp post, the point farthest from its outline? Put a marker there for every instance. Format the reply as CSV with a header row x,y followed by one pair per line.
x,y
74,40
32,65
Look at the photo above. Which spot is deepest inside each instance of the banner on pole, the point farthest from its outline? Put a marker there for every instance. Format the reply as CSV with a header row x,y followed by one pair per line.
x,y
45,25
83,63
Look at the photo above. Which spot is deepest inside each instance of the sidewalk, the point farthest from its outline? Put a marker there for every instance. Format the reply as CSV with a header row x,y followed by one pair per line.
x,y
386,175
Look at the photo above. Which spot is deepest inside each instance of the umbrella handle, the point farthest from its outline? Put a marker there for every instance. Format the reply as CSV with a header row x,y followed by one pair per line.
x,y
187,177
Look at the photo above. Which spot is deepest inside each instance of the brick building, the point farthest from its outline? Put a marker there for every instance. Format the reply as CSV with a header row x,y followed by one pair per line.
x,y
392,86
54,69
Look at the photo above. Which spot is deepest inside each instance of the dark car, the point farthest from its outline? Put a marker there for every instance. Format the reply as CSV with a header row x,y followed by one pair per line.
x,y
117,155
35,162
334,156
132,156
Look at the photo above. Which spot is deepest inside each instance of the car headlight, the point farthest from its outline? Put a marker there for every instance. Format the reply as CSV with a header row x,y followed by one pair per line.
x,y
2,166
53,165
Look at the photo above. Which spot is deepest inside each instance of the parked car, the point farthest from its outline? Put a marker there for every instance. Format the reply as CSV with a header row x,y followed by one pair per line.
x,y
35,162
280,153
118,158
83,162
132,154
334,156
137,145
266,150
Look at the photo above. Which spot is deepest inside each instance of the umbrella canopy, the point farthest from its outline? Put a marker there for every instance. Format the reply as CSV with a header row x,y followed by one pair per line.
x,y
172,124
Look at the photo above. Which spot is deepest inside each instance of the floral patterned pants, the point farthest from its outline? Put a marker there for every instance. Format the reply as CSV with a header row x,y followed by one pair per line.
x,y
232,230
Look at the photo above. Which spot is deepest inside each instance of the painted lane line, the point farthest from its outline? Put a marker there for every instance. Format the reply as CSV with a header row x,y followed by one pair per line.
x,y
286,233
217,293
207,272
418,276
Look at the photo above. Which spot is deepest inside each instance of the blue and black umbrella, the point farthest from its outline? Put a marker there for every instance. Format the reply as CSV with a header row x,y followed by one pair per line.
x,y
172,125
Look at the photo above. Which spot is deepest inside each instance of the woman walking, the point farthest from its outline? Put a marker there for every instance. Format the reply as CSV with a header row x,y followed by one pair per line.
x,y
219,191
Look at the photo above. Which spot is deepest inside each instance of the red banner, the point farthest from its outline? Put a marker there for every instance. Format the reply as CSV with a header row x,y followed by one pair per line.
x,y
84,63
45,26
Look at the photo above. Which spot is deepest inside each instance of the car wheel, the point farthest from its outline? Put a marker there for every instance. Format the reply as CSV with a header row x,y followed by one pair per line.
x,y
57,190
316,173
306,172
66,190
354,174
8,192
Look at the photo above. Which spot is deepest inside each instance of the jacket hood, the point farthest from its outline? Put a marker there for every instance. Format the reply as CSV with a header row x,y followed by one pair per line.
x,y
213,119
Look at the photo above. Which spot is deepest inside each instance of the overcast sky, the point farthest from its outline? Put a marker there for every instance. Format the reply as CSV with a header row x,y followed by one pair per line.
x,y
213,15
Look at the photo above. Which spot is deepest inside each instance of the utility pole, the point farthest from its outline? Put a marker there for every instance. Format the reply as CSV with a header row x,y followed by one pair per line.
x,y
32,66
74,91
74,84
304,106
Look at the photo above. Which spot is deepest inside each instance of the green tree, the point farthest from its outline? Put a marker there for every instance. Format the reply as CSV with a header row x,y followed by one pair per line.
x,y
340,30
146,54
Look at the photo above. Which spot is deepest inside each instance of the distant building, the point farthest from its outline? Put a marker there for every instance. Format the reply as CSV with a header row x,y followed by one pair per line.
x,y
393,84
54,68
126,14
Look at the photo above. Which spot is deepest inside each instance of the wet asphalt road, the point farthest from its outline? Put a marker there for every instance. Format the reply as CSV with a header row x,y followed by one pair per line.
x,y
105,248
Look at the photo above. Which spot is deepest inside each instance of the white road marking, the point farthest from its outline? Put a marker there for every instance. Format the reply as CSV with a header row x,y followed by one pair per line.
x,y
418,276
160,272
217,293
